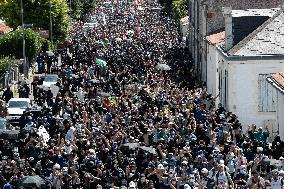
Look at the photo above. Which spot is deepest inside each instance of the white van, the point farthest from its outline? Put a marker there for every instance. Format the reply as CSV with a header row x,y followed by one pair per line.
x,y
16,107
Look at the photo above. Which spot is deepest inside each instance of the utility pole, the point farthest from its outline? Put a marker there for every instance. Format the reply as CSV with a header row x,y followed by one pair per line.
x,y
50,24
26,75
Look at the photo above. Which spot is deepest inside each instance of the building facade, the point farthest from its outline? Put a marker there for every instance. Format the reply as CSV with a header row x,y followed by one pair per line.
x,y
205,18
277,81
240,71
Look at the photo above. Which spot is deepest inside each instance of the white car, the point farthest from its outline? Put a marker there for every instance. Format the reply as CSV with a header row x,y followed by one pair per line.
x,y
50,79
16,107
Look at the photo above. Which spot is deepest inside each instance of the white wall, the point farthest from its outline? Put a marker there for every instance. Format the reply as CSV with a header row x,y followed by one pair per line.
x,y
242,97
212,74
280,113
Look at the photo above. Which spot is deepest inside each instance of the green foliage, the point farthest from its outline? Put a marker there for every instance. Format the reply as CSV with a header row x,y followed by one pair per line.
x,y
6,63
180,8
79,8
11,44
177,8
37,12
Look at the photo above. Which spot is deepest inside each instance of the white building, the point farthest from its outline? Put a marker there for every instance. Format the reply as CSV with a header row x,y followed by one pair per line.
x,y
277,81
205,18
210,70
240,77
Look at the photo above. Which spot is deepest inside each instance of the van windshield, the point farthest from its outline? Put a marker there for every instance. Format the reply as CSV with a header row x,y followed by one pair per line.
x,y
18,104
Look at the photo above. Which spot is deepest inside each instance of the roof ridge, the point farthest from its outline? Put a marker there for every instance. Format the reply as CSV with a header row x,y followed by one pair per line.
x,y
254,33
281,74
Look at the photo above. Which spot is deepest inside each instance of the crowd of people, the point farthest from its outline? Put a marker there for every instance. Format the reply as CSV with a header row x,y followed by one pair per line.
x,y
127,114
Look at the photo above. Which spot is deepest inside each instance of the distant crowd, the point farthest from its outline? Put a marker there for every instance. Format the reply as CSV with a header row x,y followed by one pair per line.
x,y
128,114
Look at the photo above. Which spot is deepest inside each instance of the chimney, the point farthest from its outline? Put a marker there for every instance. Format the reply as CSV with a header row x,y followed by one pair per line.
x,y
227,13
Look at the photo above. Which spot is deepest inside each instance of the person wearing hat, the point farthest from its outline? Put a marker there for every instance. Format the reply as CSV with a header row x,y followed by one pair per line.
x,y
203,178
132,185
223,178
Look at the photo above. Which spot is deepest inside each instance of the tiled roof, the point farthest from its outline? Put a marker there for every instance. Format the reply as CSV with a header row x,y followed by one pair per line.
x,y
278,78
216,38
4,28
268,39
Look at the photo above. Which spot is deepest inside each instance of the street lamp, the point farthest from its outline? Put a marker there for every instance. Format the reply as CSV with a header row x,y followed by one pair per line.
x,y
26,75
50,23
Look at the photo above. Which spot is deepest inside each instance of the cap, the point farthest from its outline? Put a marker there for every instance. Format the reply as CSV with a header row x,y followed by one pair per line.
x,y
186,186
204,170
92,151
56,166
160,166
132,184
184,162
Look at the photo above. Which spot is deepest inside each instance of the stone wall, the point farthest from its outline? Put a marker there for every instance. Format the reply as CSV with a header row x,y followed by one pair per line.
x,y
215,20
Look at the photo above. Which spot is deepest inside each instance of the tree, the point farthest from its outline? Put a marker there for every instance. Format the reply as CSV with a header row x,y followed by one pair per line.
x,y
6,63
177,8
80,8
37,12
11,44
180,9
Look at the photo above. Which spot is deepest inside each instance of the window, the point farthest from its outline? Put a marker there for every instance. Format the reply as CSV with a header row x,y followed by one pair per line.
x,y
266,94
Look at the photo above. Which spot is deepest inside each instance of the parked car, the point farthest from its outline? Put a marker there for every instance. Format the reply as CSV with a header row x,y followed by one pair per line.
x,y
16,107
6,130
50,79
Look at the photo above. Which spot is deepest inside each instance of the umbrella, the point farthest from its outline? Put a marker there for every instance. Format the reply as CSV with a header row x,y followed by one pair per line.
x,y
28,181
104,94
130,146
49,53
163,67
101,63
150,150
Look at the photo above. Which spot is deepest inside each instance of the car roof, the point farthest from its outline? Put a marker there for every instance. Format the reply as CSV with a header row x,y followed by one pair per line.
x,y
51,75
20,99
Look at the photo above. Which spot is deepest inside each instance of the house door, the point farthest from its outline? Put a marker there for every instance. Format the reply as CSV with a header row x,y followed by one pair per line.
x,y
272,128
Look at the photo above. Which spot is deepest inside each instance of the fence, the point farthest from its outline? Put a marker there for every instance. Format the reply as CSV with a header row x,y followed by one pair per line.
x,y
10,77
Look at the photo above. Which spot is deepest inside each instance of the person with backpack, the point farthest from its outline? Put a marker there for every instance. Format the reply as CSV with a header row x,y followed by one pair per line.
x,y
223,178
